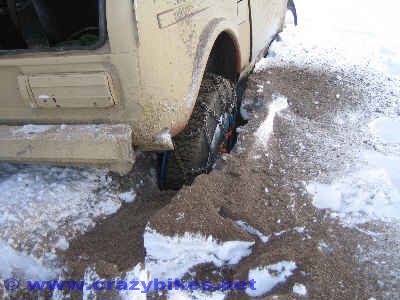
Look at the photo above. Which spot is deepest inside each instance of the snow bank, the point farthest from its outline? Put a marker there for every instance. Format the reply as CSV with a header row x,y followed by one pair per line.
x,y
173,257
268,277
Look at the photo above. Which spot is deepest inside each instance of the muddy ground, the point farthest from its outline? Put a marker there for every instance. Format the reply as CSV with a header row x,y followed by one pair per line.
x,y
262,185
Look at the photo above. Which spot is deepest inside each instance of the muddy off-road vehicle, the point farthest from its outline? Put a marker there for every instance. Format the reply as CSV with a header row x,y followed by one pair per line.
x,y
88,81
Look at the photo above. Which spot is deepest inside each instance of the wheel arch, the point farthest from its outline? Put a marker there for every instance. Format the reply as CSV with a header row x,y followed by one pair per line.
x,y
225,57
215,38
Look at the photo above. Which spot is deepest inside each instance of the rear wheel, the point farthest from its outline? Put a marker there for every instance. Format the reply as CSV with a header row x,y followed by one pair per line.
x,y
209,133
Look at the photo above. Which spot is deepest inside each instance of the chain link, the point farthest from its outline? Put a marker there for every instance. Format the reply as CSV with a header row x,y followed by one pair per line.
x,y
205,130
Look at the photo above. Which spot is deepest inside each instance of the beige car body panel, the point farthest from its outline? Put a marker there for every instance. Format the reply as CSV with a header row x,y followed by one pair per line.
x,y
147,75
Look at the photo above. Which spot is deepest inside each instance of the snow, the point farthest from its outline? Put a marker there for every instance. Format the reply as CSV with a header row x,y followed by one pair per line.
x,y
13,262
340,34
253,231
245,114
138,273
218,132
387,130
172,257
180,216
358,40
324,247
43,97
42,208
300,289
264,132
89,278
179,295
164,139
33,129
371,190
128,197
144,289
195,295
62,244
360,197
269,277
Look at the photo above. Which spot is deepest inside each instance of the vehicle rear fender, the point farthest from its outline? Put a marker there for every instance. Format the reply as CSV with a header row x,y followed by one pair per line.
x,y
205,46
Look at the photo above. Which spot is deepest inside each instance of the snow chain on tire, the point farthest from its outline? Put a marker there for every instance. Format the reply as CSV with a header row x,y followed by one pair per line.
x,y
197,147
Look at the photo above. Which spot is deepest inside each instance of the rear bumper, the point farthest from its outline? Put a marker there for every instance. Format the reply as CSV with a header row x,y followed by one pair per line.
x,y
102,145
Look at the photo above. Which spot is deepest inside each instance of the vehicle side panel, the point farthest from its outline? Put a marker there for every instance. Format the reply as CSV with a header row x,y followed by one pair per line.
x,y
155,58
267,19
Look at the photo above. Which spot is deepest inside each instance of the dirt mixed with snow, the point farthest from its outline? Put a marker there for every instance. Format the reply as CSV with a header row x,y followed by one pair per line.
x,y
307,204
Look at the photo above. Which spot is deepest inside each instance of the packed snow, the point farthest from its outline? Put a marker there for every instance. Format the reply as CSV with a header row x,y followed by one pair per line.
x,y
172,257
269,277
